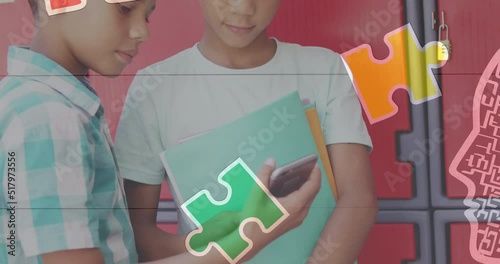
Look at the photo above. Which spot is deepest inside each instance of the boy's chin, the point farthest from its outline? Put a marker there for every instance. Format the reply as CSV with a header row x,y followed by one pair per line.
x,y
111,72
238,43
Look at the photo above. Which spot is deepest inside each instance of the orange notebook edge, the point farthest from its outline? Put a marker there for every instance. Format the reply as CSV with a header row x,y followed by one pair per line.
x,y
314,124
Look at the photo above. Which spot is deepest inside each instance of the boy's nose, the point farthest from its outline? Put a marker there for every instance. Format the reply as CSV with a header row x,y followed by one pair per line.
x,y
242,7
139,32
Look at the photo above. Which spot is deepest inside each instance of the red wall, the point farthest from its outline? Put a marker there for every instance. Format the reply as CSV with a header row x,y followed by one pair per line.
x,y
178,24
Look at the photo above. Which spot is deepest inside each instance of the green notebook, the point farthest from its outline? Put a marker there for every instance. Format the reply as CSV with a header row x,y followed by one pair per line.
x,y
279,130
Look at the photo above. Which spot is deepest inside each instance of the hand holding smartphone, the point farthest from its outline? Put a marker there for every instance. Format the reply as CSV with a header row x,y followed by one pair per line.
x,y
291,177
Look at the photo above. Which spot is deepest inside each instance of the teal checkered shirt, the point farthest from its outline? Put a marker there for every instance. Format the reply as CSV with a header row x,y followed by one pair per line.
x,y
64,190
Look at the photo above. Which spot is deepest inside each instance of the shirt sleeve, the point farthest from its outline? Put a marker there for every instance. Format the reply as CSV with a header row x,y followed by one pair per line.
x,y
138,142
52,203
343,121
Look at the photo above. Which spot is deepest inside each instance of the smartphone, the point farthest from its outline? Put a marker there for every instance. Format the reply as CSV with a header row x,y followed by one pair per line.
x,y
291,177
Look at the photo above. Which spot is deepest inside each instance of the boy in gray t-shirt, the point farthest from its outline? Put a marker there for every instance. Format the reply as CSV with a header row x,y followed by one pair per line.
x,y
236,69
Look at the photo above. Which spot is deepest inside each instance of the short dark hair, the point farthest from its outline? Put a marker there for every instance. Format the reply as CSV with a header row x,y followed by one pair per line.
x,y
34,6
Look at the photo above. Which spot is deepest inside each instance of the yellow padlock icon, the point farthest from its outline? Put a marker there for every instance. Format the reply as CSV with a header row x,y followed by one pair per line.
x,y
442,53
444,46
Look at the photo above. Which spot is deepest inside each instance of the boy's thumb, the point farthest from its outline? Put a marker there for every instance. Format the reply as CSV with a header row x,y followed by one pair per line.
x,y
266,170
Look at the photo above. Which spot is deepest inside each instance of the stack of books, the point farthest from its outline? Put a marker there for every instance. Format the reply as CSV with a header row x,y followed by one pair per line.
x,y
285,130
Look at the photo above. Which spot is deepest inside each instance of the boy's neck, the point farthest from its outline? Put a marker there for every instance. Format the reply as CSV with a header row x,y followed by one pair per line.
x,y
53,48
258,53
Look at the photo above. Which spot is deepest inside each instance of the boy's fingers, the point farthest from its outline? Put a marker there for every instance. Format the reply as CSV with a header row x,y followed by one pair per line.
x,y
309,189
314,181
315,186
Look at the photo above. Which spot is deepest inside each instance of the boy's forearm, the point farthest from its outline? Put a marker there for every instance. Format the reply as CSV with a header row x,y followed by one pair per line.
x,y
153,243
213,256
346,231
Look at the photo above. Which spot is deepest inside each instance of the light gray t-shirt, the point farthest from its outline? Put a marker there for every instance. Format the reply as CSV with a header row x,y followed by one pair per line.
x,y
187,95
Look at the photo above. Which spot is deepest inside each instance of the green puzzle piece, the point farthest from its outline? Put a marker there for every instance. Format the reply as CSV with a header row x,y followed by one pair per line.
x,y
247,196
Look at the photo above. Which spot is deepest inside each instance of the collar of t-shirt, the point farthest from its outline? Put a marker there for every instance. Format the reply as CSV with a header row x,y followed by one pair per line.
x,y
206,66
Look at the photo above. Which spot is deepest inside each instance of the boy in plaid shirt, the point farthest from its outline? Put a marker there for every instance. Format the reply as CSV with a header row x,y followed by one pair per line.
x,y
58,171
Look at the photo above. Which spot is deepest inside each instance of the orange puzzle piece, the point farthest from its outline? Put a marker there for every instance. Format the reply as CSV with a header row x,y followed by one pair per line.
x,y
408,66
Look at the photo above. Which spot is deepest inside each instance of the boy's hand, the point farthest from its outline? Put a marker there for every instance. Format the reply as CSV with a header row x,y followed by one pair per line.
x,y
297,205
217,228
